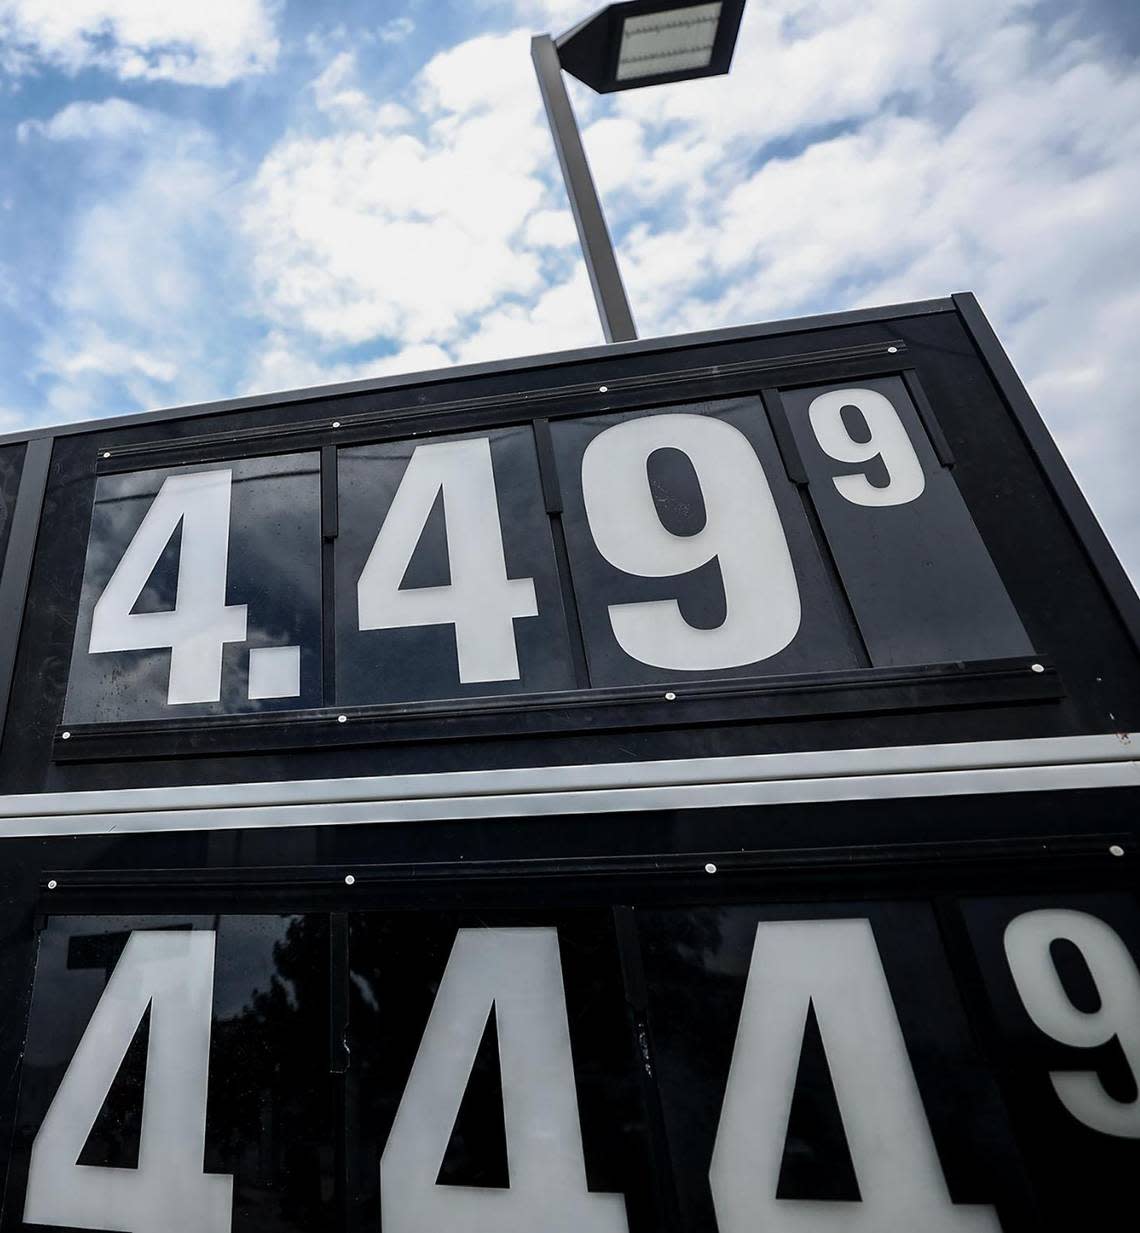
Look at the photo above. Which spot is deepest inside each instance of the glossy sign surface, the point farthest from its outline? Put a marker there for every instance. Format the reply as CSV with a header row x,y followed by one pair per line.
x,y
890,513
610,551
691,550
201,593
177,1071
11,459
447,585
803,1066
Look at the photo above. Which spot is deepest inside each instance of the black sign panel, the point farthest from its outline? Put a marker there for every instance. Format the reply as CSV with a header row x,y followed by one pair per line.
x,y
691,551
822,1091
201,593
446,579
679,548
1062,986
691,556
804,1065
11,458
493,1076
470,896
176,1076
891,512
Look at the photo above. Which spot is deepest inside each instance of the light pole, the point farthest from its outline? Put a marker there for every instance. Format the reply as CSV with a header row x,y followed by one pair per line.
x,y
637,43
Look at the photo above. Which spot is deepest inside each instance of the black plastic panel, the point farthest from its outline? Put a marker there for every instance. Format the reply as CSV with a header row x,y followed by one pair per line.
x,y
805,1098
11,461
817,638
273,571
372,1042
398,964
1059,1146
416,662
1071,621
919,578
269,1116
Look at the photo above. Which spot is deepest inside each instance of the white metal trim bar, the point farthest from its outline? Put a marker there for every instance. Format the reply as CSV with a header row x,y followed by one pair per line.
x,y
1038,765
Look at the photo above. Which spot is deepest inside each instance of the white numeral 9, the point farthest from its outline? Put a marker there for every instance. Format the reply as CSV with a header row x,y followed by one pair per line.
x,y
888,440
1027,942
742,532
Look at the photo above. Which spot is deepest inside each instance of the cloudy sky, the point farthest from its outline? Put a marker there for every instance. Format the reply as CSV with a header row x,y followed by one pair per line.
x,y
220,197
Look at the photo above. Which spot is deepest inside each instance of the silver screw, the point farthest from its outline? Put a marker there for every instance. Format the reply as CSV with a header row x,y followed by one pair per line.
x,y
52,884
603,389
892,350
349,880
342,719
336,423
670,697
66,736
1037,667
1116,849
107,454
710,868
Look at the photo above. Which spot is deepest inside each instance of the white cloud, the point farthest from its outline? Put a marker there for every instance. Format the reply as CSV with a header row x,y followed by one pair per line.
x,y
366,234
144,302
563,317
396,30
12,420
206,43
540,16
286,361
112,119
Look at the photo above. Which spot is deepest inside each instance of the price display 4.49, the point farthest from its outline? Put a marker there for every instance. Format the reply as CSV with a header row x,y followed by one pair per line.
x,y
592,552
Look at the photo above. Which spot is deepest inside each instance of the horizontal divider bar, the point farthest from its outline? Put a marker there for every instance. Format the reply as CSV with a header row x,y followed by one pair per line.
x,y
1037,765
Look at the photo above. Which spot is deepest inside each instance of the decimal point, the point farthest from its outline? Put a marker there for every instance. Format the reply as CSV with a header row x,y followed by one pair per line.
x,y
274,672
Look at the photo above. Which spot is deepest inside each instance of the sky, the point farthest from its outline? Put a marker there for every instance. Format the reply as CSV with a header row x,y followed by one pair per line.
x,y
222,197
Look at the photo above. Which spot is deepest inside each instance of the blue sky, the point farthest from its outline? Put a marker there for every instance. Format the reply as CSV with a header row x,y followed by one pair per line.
x,y
232,196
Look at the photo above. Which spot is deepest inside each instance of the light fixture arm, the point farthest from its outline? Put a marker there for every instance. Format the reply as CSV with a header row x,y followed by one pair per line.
x,y
597,247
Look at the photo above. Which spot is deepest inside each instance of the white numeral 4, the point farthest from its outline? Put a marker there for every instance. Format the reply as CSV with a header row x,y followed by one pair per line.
x,y
200,622
481,601
833,966
516,972
172,972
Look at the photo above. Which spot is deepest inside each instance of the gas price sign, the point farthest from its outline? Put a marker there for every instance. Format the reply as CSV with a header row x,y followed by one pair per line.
x,y
687,786
807,1067
590,552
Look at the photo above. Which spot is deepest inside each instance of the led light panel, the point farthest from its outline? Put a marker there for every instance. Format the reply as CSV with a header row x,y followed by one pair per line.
x,y
669,42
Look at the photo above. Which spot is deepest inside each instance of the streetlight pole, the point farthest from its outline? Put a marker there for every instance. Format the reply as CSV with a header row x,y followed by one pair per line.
x,y
594,235
624,46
